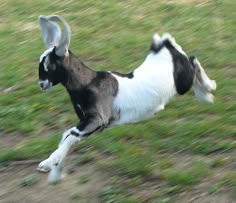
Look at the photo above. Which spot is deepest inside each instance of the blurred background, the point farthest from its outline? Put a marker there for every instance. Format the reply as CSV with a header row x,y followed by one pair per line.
x,y
185,154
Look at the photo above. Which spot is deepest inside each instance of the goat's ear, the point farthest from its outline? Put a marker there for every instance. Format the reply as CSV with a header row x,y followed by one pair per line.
x,y
51,32
63,46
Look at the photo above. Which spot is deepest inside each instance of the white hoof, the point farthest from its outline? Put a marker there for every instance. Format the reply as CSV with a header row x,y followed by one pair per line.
x,y
45,166
213,85
55,174
209,85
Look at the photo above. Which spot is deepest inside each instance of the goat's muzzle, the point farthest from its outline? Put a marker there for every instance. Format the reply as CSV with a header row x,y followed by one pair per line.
x,y
45,84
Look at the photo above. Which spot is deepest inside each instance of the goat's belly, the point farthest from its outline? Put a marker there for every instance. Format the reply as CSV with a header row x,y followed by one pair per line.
x,y
137,112
133,117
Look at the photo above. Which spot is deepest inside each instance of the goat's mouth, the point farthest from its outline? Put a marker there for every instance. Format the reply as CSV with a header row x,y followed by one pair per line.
x,y
45,85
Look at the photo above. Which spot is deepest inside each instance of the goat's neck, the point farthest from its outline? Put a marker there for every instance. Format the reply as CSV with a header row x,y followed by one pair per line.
x,y
78,74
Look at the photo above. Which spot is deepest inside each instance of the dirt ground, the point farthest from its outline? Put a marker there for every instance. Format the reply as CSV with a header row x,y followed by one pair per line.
x,y
73,188
86,182
70,189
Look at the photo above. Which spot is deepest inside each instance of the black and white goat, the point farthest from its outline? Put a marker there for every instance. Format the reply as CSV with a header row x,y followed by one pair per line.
x,y
104,99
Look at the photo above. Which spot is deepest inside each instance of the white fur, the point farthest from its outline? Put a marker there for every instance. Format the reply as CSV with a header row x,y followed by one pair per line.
x,y
156,38
152,86
45,53
203,86
51,31
68,132
208,84
46,62
55,161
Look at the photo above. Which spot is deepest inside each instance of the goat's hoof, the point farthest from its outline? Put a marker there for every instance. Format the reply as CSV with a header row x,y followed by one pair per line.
x,y
210,85
55,176
213,85
44,166
210,98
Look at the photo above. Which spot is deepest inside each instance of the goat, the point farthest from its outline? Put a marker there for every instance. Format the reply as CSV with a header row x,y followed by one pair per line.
x,y
103,99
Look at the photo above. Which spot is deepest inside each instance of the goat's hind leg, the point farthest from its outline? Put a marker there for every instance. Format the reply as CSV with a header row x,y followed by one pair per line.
x,y
201,75
203,85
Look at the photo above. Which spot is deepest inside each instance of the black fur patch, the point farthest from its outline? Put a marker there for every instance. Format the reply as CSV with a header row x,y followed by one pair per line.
x,y
42,72
56,72
183,69
85,98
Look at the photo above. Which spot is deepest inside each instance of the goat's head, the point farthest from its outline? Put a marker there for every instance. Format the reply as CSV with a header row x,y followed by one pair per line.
x,y
51,71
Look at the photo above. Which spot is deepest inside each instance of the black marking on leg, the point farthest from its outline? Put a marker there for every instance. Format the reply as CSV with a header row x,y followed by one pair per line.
x,y
73,132
66,137
99,128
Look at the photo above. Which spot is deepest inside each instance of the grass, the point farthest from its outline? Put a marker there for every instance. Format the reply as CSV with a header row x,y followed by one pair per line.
x,y
112,193
36,148
29,180
86,158
116,35
186,177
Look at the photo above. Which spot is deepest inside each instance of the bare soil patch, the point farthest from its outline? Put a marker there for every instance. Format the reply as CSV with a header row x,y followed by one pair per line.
x,y
71,189
9,140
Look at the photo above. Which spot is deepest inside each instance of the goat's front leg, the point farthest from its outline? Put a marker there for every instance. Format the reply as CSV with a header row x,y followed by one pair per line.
x,y
55,161
72,136
58,155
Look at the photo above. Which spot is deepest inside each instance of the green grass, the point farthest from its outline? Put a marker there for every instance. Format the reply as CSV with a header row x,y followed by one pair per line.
x,y
36,148
229,181
85,158
116,35
29,180
186,177
112,193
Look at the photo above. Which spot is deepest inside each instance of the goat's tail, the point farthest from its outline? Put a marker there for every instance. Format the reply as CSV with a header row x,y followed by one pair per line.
x,y
202,84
